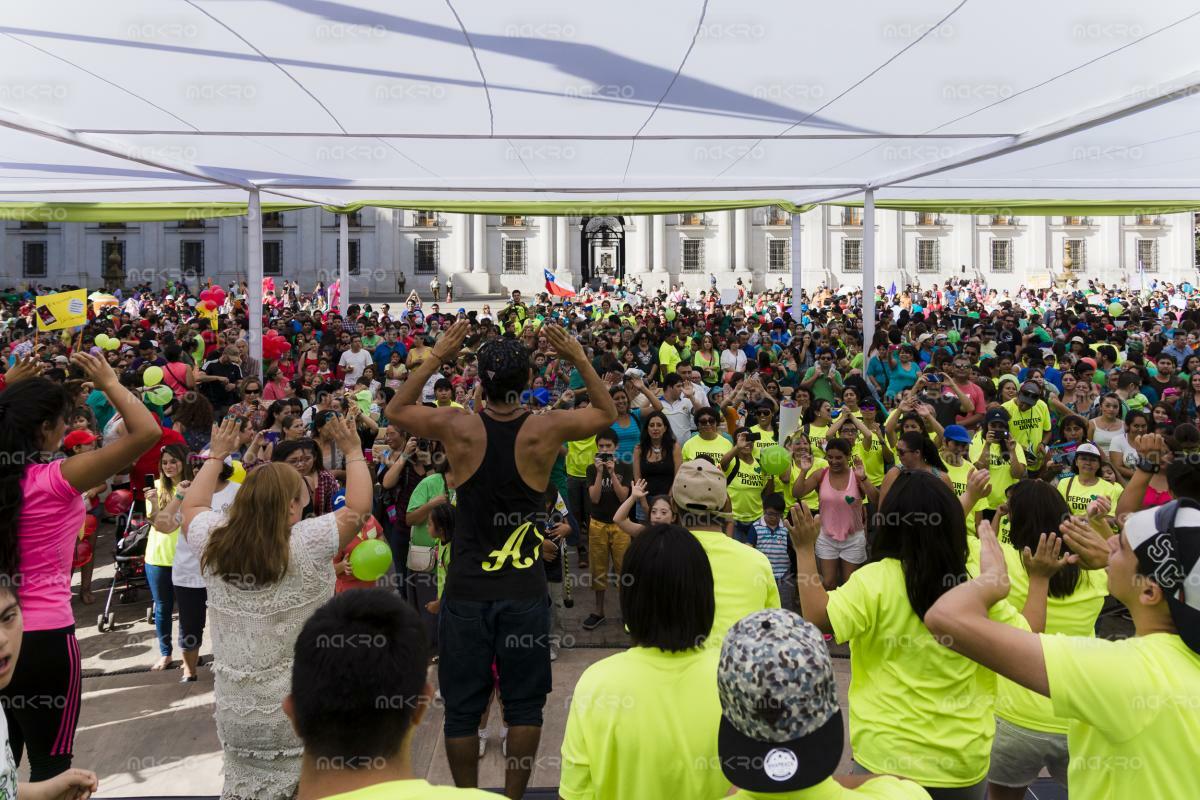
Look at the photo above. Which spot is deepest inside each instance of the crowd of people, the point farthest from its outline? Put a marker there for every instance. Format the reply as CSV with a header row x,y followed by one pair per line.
x,y
958,499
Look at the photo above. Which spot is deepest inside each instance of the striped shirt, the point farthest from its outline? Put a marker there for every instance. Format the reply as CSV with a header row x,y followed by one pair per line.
x,y
773,543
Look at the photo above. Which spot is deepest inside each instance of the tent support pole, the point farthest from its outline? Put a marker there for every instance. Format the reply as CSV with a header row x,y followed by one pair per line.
x,y
795,257
343,264
868,270
254,269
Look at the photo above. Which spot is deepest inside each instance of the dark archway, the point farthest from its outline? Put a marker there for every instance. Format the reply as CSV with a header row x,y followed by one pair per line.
x,y
602,250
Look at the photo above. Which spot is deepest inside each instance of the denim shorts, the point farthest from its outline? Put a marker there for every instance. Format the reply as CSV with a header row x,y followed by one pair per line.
x,y
1019,753
513,635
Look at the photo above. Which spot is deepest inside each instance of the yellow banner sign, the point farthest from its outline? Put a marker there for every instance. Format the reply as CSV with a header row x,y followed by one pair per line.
x,y
62,310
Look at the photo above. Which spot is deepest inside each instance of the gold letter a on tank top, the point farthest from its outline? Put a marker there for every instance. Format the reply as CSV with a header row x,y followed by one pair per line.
x,y
512,550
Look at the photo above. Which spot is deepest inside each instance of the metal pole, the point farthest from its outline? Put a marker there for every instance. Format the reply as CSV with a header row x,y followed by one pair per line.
x,y
795,256
868,270
254,269
344,264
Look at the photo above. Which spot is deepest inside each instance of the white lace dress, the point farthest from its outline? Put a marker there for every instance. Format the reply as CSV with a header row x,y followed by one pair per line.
x,y
253,634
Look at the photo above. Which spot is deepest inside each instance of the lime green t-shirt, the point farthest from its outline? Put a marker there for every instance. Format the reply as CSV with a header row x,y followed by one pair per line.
x,y
872,458
429,487
958,477
885,787
812,499
580,455
160,545
643,723
1074,615
766,438
1028,427
1132,706
668,360
817,435
742,581
917,708
999,468
1080,496
415,789
746,482
712,449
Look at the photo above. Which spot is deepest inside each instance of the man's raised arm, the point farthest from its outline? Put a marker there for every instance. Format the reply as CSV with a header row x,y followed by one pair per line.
x,y
582,422
405,411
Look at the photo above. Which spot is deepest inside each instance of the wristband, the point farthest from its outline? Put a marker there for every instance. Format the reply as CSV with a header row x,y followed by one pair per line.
x,y
179,495
1146,465
350,461
214,458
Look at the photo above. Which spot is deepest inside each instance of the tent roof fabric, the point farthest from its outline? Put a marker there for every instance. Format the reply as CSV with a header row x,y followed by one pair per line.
x,y
475,106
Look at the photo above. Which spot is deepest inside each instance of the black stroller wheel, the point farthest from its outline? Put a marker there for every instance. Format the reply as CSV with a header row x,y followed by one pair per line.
x,y
102,623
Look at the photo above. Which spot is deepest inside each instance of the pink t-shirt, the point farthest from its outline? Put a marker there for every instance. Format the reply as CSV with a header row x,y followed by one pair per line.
x,y
51,517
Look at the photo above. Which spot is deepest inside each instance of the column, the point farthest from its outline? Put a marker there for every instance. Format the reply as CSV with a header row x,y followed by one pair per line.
x,y
724,254
344,263
461,231
794,252
868,268
546,230
254,275
562,247
644,252
660,243
479,243
741,241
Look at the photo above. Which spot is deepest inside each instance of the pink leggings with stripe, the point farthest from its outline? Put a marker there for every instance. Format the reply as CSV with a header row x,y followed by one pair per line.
x,y
41,702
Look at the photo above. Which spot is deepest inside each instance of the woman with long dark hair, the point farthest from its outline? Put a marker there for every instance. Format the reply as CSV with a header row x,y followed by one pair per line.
x,y
917,453
657,458
266,570
915,707
41,513
1055,600
163,498
194,419
305,456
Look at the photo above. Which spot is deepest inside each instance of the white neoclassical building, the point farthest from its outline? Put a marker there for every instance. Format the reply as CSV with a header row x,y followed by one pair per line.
x,y
489,254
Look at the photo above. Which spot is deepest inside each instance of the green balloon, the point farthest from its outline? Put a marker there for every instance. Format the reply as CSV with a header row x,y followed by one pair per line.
x,y
102,340
370,560
160,395
112,344
775,459
152,376
670,315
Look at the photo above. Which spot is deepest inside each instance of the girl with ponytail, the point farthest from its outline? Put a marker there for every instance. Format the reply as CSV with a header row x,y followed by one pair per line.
x,y
41,511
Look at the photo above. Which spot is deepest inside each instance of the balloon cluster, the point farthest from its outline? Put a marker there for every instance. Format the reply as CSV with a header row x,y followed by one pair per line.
x,y
158,395
106,342
274,345
210,300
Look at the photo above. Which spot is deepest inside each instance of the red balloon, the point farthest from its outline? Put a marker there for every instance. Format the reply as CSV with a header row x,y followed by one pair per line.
x,y
207,305
84,550
218,294
118,502
206,294
89,524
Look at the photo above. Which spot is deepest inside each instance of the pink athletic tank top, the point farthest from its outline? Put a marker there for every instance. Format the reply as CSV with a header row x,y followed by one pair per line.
x,y
841,509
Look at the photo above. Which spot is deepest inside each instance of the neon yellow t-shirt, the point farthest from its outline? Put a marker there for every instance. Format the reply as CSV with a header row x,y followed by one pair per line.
x,y
812,499
917,708
1074,615
580,455
872,458
766,438
160,545
742,581
643,723
1028,427
1081,496
415,789
668,360
817,434
1132,706
746,482
885,787
712,449
999,469
958,477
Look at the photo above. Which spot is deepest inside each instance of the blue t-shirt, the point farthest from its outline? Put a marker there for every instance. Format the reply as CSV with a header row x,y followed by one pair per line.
x,y
628,437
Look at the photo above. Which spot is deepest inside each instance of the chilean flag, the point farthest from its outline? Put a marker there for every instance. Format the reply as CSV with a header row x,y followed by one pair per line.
x,y
556,287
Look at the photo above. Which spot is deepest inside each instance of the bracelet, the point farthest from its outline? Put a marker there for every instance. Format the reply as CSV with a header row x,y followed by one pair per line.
x,y
350,461
179,495
214,458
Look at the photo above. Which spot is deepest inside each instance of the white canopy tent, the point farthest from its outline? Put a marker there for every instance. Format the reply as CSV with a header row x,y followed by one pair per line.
x,y
660,106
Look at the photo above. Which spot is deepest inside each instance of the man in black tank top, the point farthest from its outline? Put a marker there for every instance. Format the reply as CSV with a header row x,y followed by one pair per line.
x,y
495,605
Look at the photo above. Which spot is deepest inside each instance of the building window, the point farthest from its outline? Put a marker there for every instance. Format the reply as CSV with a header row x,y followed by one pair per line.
x,y
355,264
106,249
33,260
777,216
852,217
1077,251
513,221
1002,219
928,257
191,259
1077,221
779,255
693,255
272,219
851,255
32,225
273,258
693,219
928,218
514,256
425,256
354,219
191,224
1002,255
112,226
1147,255
426,219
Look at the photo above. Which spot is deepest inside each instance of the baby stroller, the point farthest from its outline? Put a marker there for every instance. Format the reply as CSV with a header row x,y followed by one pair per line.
x,y
129,557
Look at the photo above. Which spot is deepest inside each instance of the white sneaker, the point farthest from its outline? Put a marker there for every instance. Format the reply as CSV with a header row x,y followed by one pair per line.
x,y
483,737
553,653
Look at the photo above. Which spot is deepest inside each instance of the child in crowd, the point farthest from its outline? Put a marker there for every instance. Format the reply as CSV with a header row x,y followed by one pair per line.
x,y
771,539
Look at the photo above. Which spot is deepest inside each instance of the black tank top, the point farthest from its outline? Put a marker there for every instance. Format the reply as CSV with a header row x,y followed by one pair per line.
x,y
496,551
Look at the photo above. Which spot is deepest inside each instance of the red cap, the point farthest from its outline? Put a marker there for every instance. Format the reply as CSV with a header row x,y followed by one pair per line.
x,y
76,438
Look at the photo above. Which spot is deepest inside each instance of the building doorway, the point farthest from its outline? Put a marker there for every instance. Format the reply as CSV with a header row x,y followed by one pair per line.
x,y
603,250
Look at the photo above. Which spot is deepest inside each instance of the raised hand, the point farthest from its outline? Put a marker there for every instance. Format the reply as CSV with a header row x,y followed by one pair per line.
x,y
638,489
803,527
978,486
1049,558
860,470
98,371
448,345
993,574
225,438
1086,542
345,434
23,369
564,344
